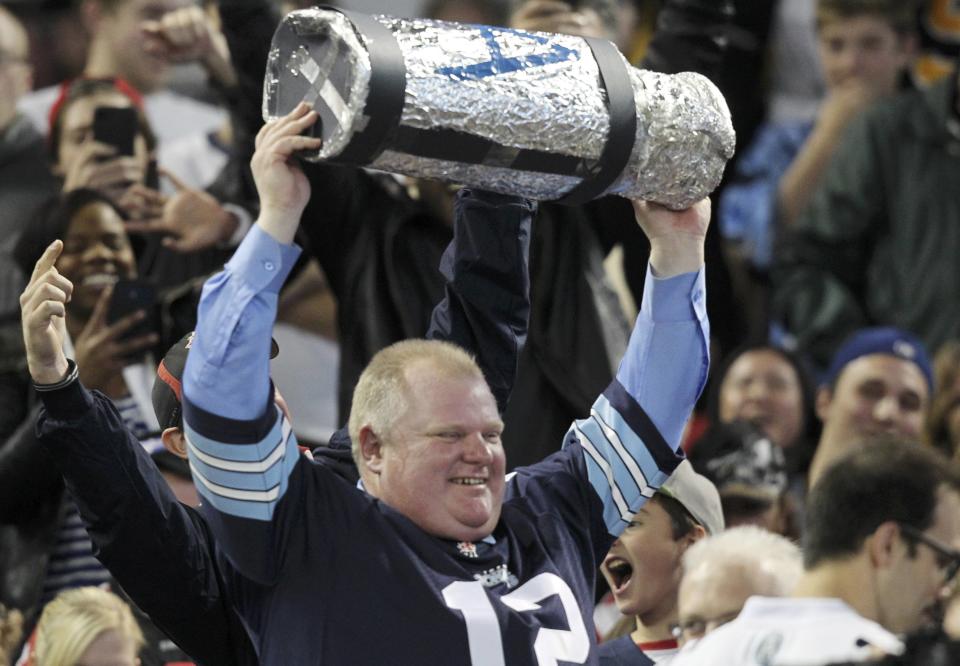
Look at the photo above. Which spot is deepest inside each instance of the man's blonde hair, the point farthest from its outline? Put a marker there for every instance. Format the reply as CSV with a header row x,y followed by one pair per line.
x,y
380,397
74,620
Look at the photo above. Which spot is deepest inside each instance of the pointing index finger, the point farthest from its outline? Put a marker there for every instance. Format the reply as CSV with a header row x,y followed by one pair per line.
x,y
47,259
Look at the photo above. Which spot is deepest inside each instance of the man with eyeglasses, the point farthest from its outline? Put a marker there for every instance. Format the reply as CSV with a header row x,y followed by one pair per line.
x,y
878,556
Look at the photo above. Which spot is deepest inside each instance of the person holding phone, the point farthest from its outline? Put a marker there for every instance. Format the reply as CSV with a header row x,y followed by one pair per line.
x,y
100,139
102,333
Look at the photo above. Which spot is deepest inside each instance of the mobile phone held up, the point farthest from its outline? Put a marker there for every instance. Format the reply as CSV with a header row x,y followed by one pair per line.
x,y
128,297
117,127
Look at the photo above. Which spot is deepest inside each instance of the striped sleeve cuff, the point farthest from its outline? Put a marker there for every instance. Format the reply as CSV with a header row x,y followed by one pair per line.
x,y
239,472
627,459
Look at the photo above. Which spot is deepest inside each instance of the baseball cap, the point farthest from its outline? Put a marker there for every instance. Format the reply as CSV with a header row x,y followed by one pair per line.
x,y
698,496
741,461
167,391
881,340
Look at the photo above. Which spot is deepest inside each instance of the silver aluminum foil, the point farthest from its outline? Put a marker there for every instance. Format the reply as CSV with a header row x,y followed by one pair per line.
x,y
522,91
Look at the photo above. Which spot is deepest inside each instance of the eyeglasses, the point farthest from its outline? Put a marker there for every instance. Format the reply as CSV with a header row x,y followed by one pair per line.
x,y
948,559
698,628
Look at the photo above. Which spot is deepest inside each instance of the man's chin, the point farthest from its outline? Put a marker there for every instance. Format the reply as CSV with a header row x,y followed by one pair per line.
x,y
475,528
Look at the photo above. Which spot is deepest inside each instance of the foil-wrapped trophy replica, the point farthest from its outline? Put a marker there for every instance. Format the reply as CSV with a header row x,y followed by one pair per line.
x,y
544,116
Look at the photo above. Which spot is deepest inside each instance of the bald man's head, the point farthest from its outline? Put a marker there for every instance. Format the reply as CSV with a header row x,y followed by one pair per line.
x,y
15,72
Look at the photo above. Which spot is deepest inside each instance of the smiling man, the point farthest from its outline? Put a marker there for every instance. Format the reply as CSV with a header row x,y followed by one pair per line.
x,y
438,557
879,383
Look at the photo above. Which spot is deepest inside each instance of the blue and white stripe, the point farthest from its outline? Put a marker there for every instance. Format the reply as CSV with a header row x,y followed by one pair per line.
x,y
71,562
245,480
624,468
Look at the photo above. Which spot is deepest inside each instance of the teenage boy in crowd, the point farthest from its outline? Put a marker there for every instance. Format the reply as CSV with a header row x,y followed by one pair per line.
x,y
865,48
643,567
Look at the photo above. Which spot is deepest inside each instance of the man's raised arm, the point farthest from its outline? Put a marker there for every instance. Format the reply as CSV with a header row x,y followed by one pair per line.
x,y
241,448
631,439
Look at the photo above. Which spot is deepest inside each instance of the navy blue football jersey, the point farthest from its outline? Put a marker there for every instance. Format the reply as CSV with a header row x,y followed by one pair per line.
x,y
323,573
336,576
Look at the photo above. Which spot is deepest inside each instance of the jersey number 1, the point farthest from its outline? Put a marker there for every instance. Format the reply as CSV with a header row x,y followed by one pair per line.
x,y
483,630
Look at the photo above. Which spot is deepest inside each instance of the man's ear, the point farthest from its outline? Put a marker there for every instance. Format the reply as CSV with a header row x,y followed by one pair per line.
x,y
694,535
371,449
174,442
884,545
824,398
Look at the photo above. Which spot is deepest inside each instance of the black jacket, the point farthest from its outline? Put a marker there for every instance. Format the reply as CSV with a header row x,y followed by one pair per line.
x,y
161,552
31,490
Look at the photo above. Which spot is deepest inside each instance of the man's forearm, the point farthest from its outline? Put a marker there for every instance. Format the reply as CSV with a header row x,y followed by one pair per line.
x,y
668,357
634,427
155,548
228,369
487,303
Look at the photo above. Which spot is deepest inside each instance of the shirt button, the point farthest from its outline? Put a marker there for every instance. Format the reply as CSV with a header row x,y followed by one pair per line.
x,y
269,265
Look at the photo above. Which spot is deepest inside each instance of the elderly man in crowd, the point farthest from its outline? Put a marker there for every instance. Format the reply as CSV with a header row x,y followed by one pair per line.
x,y
877,559
722,571
493,571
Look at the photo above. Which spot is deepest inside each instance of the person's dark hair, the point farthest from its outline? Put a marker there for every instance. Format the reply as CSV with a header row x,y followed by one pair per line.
x,y
681,522
883,480
801,453
81,88
52,222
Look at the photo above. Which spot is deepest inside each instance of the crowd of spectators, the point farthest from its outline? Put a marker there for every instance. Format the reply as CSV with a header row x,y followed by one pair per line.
x,y
356,446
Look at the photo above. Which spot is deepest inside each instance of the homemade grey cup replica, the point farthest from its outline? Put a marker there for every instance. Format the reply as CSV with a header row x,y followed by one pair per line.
x,y
544,116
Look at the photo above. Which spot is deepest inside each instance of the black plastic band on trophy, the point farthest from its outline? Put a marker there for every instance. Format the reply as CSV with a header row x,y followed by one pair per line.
x,y
388,85
623,124
455,146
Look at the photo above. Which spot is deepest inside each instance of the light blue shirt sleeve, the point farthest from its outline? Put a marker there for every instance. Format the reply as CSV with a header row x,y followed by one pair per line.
x,y
667,360
228,368
631,439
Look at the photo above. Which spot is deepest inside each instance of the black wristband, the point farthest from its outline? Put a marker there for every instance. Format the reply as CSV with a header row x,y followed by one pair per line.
x,y
73,372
